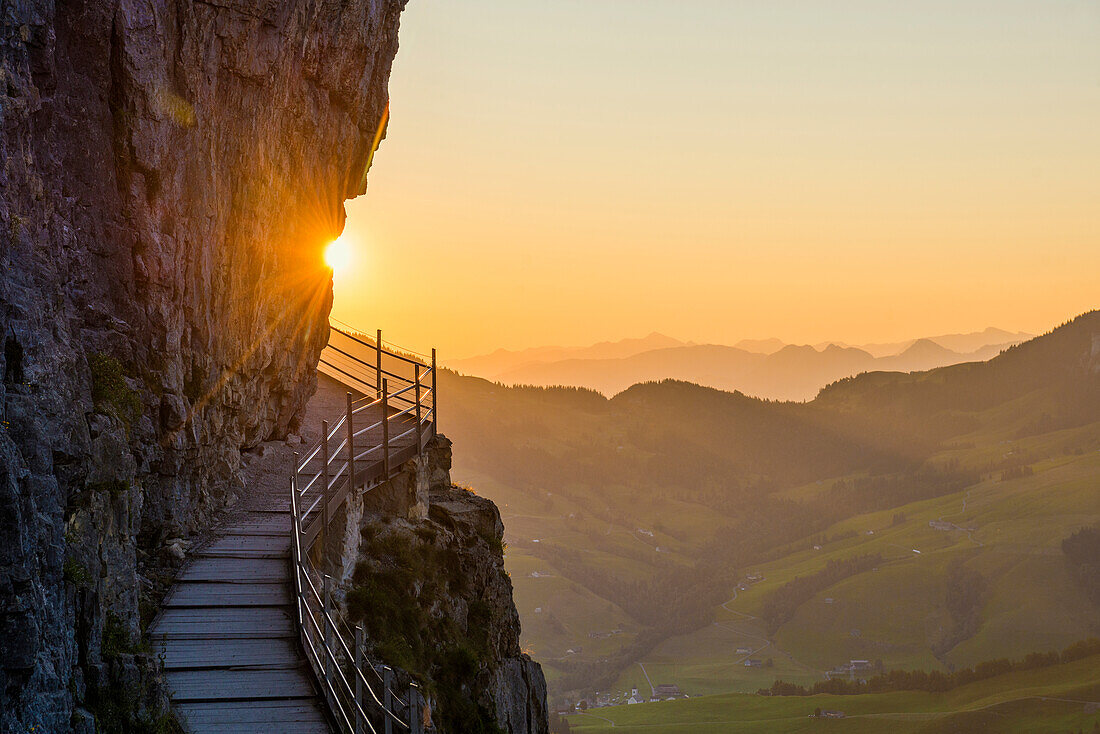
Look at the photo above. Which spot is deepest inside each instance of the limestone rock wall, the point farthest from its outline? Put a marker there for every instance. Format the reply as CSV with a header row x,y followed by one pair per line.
x,y
171,170
423,572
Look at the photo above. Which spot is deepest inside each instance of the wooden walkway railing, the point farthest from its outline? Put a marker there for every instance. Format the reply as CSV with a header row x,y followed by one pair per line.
x,y
390,424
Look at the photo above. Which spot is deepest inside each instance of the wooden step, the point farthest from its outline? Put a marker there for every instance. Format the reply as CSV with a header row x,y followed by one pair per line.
x,y
223,594
258,654
247,717
238,685
262,523
223,623
237,570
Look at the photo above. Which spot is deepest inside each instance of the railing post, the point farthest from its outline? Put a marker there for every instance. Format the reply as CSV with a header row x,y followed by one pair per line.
x,y
416,713
296,542
351,449
387,697
435,398
416,373
378,364
360,658
385,429
326,664
324,491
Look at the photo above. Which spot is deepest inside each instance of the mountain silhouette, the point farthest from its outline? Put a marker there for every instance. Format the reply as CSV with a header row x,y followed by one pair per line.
x,y
764,368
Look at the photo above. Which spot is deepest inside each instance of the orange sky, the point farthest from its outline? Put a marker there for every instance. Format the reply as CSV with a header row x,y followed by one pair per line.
x,y
568,172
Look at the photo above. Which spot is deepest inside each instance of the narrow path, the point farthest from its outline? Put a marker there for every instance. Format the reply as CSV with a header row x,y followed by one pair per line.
x,y
601,718
228,642
734,611
230,646
652,690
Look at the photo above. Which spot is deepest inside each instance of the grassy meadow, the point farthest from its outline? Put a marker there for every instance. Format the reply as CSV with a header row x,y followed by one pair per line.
x,y
1058,699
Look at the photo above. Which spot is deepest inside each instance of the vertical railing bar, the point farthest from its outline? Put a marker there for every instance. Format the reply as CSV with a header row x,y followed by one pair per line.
x,y
296,539
416,374
435,398
416,715
387,697
326,664
378,365
351,447
360,656
385,429
324,491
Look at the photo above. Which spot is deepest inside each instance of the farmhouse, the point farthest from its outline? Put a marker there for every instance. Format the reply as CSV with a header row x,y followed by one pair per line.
x,y
666,691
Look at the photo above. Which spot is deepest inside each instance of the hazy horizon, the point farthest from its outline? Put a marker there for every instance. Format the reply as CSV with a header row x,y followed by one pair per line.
x,y
574,172
736,341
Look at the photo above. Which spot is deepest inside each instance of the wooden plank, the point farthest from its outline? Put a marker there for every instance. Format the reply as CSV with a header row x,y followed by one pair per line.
x,y
244,554
219,623
255,654
213,593
249,542
223,685
256,523
301,727
276,507
236,570
270,717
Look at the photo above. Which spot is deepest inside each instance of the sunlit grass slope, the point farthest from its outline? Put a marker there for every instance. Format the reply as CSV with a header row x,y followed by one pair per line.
x,y
1055,699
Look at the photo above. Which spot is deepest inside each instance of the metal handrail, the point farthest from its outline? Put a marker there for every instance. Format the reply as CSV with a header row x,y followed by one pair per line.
x,y
362,461
347,333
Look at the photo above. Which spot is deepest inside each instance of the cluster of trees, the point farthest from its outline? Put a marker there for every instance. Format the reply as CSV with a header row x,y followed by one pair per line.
x,y
865,494
559,725
1017,472
937,681
676,599
1082,551
781,604
965,594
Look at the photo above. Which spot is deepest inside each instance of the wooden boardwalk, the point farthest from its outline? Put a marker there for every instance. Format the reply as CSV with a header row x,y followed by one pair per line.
x,y
228,632
230,646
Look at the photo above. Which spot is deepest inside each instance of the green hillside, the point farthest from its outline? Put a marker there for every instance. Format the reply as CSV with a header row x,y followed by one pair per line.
x,y
632,522
1063,698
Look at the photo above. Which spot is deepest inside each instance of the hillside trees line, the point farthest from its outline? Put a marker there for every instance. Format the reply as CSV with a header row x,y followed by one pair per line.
x,y
674,600
1082,551
966,590
781,604
937,681
880,492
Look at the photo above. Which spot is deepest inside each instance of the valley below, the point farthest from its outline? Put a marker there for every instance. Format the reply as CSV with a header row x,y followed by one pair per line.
x,y
679,541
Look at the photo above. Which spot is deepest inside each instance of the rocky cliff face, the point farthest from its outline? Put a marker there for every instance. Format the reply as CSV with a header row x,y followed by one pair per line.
x,y
171,171
430,589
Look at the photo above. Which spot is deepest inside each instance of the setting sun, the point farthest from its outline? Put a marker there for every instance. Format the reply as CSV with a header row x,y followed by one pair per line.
x,y
338,255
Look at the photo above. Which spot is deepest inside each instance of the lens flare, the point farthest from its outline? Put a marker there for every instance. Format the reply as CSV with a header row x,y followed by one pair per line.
x,y
338,255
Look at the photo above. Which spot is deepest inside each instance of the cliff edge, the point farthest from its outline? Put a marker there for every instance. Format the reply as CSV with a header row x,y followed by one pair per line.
x,y
171,173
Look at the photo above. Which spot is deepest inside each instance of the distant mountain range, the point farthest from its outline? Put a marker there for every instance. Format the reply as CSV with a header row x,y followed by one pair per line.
x,y
961,343
765,368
